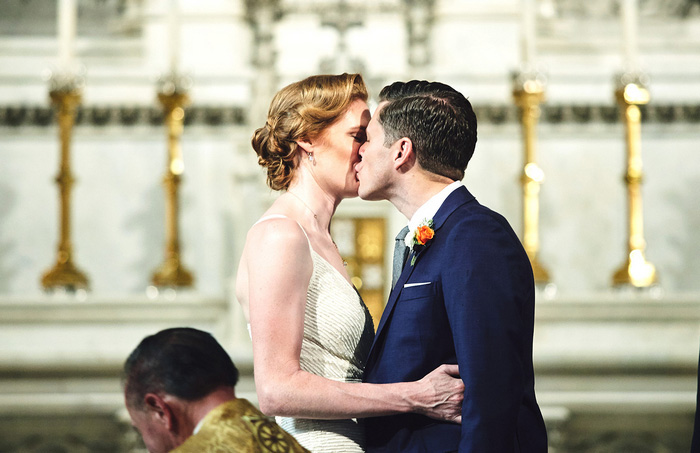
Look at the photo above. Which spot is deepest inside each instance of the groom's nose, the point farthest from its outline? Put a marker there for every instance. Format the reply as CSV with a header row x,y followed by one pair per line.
x,y
357,166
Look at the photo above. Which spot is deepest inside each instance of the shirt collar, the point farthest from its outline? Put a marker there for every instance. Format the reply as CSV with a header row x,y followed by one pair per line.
x,y
431,207
199,426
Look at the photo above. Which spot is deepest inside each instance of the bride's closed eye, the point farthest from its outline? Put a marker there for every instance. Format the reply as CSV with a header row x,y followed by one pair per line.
x,y
360,137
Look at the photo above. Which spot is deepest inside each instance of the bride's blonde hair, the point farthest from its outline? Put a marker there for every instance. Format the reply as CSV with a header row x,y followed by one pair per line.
x,y
302,111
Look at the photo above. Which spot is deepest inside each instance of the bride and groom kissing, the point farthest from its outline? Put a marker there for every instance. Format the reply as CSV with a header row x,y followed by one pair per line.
x,y
450,365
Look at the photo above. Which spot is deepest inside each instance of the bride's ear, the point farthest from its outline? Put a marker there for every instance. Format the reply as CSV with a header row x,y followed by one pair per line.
x,y
305,145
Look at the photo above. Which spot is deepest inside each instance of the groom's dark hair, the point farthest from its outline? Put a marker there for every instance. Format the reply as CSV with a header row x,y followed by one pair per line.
x,y
439,121
182,361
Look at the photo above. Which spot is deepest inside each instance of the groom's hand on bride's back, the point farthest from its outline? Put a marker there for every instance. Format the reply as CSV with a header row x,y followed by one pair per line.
x,y
443,395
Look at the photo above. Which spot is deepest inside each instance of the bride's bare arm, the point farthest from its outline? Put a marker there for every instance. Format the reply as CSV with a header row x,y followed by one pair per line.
x,y
279,267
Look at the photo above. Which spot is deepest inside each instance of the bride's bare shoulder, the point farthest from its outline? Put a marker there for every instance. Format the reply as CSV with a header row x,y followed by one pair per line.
x,y
276,233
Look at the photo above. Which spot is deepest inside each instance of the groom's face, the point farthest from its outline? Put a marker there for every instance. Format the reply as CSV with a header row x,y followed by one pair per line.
x,y
375,170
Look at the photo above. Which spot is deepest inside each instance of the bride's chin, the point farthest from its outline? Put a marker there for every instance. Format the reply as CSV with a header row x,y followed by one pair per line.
x,y
352,192
352,188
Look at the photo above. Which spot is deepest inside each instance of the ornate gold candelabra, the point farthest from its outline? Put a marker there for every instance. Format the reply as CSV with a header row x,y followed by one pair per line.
x,y
528,95
65,274
636,271
172,273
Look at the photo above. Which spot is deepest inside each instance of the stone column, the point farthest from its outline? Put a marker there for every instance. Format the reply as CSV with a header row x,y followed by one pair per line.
x,y
419,15
341,17
250,195
262,16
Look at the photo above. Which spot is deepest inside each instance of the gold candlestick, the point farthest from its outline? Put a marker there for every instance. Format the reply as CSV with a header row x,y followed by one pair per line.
x,y
636,271
172,273
528,97
64,273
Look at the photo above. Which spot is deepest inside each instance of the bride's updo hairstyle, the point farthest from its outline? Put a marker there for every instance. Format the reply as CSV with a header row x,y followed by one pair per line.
x,y
302,111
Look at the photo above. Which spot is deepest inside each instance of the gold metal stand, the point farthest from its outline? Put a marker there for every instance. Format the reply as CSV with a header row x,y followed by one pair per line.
x,y
172,273
636,271
528,97
64,273
361,242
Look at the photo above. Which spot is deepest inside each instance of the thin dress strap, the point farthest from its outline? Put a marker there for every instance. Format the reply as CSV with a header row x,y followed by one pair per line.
x,y
280,216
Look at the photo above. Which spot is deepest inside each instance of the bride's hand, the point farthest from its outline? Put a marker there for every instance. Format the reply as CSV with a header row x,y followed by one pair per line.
x,y
441,394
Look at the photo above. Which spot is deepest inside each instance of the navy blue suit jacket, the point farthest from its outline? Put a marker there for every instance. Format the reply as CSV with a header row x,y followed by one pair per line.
x,y
467,299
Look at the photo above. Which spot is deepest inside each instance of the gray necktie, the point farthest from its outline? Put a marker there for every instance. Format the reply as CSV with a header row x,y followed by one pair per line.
x,y
400,255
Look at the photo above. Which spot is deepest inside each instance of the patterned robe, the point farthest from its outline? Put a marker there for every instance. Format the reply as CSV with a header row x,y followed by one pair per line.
x,y
237,426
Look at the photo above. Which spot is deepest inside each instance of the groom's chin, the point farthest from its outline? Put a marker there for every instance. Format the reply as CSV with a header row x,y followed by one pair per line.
x,y
368,196
366,193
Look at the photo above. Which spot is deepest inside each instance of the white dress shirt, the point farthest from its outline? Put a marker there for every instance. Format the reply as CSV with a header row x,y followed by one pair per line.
x,y
431,207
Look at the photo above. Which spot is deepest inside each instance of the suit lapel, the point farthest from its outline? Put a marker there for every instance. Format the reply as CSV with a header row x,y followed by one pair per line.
x,y
457,198
405,274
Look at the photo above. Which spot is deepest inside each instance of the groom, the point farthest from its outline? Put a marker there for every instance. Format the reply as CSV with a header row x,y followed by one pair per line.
x,y
465,294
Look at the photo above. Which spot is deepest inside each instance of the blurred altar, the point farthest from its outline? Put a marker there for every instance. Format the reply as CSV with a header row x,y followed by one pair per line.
x,y
127,185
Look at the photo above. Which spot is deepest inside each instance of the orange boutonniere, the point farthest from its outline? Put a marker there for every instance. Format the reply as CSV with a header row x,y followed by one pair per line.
x,y
420,237
423,234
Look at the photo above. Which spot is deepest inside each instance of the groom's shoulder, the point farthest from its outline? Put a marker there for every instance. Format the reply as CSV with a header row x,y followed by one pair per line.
x,y
476,221
474,213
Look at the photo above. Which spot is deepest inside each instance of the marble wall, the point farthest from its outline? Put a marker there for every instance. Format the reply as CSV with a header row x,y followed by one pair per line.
x,y
119,144
616,371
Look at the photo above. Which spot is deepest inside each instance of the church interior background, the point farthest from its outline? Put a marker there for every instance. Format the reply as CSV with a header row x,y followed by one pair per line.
x,y
127,185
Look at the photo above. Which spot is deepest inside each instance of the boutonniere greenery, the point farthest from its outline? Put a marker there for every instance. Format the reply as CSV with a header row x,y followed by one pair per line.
x,y
420,236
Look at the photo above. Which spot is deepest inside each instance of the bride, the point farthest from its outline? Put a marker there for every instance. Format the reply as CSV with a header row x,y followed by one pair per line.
x,y
311,332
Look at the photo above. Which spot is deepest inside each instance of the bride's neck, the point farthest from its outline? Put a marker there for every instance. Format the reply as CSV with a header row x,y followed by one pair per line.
x,y
319,206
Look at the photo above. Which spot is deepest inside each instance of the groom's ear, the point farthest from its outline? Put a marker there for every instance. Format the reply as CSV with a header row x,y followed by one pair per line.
x,y
403,154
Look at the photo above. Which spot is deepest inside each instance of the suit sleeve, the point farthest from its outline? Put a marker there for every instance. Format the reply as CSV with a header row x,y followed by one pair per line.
x,y
489,297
